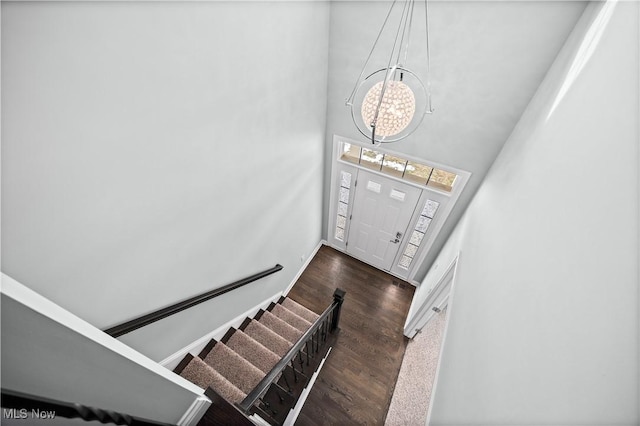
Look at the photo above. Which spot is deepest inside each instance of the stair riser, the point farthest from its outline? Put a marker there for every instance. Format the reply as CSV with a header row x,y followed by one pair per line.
x,y
239,360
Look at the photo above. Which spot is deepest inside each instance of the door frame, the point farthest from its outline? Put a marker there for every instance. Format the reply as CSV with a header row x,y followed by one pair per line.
x,y
411,190
338,165
438,297
441,297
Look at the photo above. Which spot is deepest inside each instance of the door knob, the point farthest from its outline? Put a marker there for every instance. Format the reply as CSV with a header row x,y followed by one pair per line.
x,y
398,237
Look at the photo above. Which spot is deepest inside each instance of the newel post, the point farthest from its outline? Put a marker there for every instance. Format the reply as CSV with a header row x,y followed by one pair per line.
x,y
338,298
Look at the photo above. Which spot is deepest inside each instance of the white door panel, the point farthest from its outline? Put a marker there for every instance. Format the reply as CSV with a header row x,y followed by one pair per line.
x,y
380,190
390,221
382,210
382,246
362,239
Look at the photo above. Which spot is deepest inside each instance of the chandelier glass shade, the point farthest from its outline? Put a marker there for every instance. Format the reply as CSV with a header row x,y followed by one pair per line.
x,y
393,115
390,103
396,108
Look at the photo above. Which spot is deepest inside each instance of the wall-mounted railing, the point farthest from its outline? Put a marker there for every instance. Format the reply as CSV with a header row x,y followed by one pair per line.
x,y
141,321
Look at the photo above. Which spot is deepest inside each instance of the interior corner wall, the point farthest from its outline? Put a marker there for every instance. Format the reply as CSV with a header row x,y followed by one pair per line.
x,y
354,25
155,150
543,325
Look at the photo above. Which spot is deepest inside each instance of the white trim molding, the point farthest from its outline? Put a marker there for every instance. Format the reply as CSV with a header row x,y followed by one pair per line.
x,y
449,303
193,415
304,266
196,346
85,334
295,411
438,297
393,274
447,202
38,303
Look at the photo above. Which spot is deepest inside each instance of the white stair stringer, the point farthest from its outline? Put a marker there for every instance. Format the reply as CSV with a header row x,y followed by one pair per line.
x,y
295,411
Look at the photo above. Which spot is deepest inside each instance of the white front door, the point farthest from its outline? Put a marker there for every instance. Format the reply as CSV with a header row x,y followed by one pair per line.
x,y
382,210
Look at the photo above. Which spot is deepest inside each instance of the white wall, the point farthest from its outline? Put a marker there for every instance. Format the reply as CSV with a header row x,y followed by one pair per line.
x,y
487,60
48,352
155,150
544,320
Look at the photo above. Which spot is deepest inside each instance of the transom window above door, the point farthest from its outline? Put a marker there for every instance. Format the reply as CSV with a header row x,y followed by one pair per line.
x,y
399,167
387,208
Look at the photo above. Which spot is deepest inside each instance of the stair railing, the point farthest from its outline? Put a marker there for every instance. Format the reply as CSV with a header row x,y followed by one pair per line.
x,y
312,341
20,406
141,321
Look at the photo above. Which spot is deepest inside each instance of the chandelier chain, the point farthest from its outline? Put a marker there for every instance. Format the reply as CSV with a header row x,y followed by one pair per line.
x,y
366,62
390,69
406,50
392,101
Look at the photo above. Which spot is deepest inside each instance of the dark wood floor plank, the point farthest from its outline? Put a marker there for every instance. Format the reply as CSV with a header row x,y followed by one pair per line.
x,y
357,381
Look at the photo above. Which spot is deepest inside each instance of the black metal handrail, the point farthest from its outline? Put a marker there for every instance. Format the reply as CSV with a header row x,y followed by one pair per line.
x,y
334,311
21,405
141,321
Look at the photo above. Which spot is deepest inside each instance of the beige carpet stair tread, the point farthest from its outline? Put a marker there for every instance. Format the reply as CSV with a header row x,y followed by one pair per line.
x,y
300,310
244,375
290,317
253,351
234,368
201,374
269,338
285,330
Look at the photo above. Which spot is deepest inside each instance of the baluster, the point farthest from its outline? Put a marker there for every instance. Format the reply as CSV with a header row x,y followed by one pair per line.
x,y
286,381
314,342
324,332
279,396
265,404
326,329
267,407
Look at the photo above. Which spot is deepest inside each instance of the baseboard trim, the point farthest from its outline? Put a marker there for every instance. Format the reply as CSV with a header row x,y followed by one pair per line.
x,y
195,347
304,266
341,250
193,415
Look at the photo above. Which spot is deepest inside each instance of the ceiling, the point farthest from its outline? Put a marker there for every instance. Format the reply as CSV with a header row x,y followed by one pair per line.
x,y
487,60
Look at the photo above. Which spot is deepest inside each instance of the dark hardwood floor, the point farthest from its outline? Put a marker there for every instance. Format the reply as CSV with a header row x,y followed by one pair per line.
x,y
356,383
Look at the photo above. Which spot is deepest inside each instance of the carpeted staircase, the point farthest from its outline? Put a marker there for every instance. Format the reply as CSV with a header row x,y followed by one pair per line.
x,y
234,366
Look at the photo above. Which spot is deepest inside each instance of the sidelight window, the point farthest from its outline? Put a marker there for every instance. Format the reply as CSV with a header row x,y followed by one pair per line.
x,y
426,216
343,204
